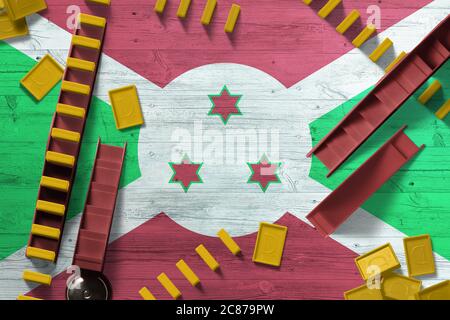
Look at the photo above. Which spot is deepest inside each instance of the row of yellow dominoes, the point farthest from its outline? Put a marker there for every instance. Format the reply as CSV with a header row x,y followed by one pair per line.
x,y
187,271
57,158
429,92
363,36
207,15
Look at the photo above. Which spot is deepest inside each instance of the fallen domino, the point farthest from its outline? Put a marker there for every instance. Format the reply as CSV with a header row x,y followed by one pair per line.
x,y
146,294
183,8
12,29
381,259
440,291
188,273
126,107
208,12
229,242
398,287
363,36
270,244
41,278
363,293
328,8
396,61
22,297
20,9
103,2
419,255
207,257
380,50
42,77
233,15
348,21
429,92
169,286
444,110
159,6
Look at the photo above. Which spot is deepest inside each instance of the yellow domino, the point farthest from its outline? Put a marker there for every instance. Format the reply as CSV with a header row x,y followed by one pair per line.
x,y
79,64
37,277
440,291
397,287
395,62
233,15
188,273
208,12
229,242
380,50
269,244
86,42
364,35
21,8
75,87
363,293
169,286
22,297
55,184
126,107
207,257
51,207
70,111
348,21
429,92
44,231
183,8
42,77
378,261
328,8
103,2
159,6
92,20
11,29
146,294
307,2
60,159
66,135
40,254
444,110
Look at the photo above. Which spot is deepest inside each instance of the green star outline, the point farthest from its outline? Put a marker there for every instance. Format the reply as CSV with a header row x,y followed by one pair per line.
x,y
210,96
253,172
190,183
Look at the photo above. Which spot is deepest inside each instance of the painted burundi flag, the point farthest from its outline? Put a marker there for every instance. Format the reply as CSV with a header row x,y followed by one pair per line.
x,y
245,164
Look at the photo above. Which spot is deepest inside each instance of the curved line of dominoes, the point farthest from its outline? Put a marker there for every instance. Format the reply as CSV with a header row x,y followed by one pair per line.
x,y
207,15
187,272
363,36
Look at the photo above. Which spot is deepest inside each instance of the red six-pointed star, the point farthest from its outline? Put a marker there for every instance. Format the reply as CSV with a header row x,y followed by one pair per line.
x,y
224,104
185,173
264,173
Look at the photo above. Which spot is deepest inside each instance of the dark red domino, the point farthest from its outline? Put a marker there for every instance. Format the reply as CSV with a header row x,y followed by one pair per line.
x,y
95,225
358,187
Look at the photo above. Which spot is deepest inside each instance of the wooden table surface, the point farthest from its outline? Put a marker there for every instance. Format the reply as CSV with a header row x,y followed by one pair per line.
x,y
297,77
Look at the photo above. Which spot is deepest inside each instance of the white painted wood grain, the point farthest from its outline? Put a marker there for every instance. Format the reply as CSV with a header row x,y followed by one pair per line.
x,y
225,200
